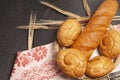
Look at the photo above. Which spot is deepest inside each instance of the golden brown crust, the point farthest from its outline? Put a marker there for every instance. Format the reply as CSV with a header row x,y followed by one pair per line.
x,y
68,32
91,36
110,44
72,62
99,66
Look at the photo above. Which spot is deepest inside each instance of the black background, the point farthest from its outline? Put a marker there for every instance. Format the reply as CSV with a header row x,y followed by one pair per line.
x,y
15,13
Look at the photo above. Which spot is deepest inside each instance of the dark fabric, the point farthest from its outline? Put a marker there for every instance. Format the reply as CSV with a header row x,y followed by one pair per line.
x,y
17,12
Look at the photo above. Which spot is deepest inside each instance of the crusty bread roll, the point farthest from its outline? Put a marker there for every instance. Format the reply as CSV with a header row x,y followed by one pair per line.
x,y
72,62
110,44
68,32
99,66
91,36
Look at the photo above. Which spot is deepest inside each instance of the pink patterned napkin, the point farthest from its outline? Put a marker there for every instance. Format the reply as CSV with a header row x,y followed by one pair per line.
x,y
37,64
117,27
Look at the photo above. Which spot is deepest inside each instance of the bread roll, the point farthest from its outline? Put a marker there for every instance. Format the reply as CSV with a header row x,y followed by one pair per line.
x,y
110,44
91,36
72,62
99,66
68,32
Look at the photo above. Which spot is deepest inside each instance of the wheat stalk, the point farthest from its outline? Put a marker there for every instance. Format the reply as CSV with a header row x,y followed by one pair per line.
x,y
60,10
31,30
86,6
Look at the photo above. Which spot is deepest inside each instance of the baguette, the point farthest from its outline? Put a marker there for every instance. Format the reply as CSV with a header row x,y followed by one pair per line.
x,y
91,36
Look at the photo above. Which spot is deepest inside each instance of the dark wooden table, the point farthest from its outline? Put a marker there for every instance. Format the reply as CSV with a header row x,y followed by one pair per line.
x,y
15,13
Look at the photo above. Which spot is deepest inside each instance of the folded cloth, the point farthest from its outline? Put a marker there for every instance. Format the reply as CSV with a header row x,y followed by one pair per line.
x,y
117,27
37,64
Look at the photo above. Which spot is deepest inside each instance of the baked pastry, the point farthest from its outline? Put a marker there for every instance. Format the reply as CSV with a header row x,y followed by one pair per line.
x,y
91,36
68,32
99,66
110,44
72,62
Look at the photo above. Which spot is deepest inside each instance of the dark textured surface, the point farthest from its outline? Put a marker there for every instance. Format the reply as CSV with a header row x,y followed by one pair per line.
x,y
74,7
17,12
14,13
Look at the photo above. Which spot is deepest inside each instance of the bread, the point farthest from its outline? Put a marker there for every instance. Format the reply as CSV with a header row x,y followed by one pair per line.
x,y
91,36
72,62
99,66
68,32
110,44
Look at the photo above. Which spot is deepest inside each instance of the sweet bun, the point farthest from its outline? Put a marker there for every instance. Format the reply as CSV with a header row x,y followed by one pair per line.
x,y
110,44
99,66
68,32
72,62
